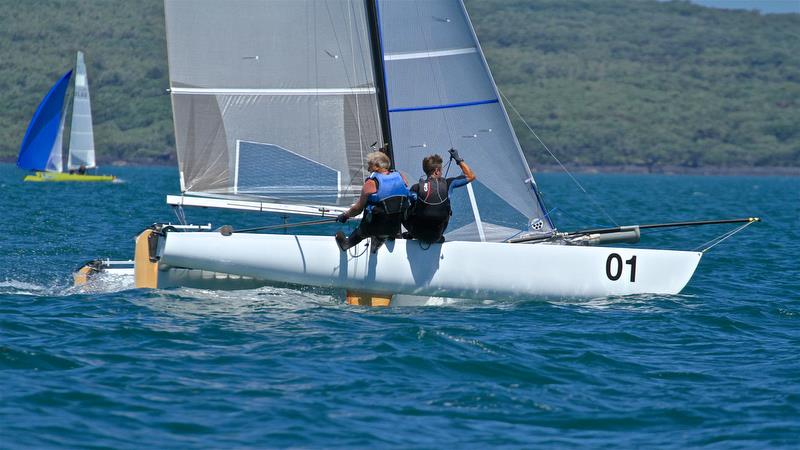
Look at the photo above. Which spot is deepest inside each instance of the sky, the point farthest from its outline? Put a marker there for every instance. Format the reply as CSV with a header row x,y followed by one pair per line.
x,y
765,6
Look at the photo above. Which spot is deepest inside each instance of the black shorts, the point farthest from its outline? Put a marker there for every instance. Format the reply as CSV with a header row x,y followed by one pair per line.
x,y
426,229
381,225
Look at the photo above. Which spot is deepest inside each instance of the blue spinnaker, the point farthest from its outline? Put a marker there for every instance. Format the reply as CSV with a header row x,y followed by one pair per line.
x,y
45,128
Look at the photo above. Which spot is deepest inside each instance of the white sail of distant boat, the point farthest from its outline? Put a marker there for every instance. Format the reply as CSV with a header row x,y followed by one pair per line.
x,y
81,135
275,106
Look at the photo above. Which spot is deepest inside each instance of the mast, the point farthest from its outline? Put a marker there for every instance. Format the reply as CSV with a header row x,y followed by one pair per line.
x,y
373,22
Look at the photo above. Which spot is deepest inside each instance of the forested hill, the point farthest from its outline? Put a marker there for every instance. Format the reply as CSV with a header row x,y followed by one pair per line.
x,y
643,82
603,82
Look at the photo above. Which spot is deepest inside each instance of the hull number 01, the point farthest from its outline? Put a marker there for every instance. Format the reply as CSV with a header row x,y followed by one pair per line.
x,y
614,267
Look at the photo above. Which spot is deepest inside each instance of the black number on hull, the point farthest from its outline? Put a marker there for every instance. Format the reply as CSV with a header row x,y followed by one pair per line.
x,y
632,262
614,267
618,259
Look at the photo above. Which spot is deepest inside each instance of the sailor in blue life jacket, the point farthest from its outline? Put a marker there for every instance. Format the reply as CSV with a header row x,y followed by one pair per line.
x,y
430,214
384,200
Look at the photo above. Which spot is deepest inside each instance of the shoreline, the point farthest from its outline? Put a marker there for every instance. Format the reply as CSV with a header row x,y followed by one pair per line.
x,y
791,171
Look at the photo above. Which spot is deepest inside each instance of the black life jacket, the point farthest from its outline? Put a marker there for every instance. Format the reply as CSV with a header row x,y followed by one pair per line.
x,y
433,200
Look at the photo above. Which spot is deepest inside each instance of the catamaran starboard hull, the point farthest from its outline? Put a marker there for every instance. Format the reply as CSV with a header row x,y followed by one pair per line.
x,y
453,269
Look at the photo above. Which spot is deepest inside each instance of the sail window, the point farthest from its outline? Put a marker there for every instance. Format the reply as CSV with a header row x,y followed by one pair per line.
x,y
268,169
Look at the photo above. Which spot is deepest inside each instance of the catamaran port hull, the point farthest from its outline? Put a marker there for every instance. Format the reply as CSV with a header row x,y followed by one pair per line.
x,y
72,177
104,275
453,269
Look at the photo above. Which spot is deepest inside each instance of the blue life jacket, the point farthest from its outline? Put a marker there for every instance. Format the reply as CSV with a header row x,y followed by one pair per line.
x,y
392,196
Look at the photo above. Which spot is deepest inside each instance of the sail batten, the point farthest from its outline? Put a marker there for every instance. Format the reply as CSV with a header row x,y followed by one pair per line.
x,y
429,54
451,105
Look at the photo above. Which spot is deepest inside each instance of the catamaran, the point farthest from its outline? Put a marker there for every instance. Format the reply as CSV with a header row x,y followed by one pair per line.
x,y
276,104
41,149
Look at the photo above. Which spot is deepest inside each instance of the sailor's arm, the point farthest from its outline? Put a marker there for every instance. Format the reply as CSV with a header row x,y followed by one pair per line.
x,y
356,208
467,171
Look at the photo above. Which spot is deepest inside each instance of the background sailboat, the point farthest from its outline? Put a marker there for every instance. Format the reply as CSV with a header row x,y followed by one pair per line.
x,y
42,146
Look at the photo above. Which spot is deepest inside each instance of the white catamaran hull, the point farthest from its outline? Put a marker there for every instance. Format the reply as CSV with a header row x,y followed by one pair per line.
x,y
453,269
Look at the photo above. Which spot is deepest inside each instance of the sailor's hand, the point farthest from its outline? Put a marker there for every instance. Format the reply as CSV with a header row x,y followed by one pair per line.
x,y
456,157
342,218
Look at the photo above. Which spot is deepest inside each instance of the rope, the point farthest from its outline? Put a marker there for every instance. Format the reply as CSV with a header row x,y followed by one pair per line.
x,y
230,229
449,162
513,108
180,214
717,240
352,253
350,81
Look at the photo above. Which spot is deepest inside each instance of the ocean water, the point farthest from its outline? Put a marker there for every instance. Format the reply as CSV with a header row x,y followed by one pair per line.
x,y
717,366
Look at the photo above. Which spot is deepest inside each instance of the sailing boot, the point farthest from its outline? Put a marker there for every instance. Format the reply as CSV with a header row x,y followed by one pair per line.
x,y
342,241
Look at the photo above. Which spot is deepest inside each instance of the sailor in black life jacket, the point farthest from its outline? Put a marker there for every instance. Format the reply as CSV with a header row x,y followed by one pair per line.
x,y
428,217
384,200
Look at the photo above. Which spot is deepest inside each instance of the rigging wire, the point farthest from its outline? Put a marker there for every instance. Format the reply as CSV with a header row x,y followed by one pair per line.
x,y
436,80
577,183
717,240
352,82
579,217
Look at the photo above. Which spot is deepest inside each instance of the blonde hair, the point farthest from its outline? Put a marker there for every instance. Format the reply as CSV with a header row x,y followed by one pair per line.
x,y
378,159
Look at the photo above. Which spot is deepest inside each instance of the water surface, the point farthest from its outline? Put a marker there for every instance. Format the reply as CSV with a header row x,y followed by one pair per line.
x,y
714,367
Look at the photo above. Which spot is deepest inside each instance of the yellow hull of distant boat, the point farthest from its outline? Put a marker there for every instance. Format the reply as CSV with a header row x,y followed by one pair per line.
x,y
61,176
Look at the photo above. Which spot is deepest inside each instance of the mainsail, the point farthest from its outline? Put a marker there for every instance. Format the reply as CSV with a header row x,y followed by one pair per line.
x,y
81,137
441,95
41,146
278,99
272,98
